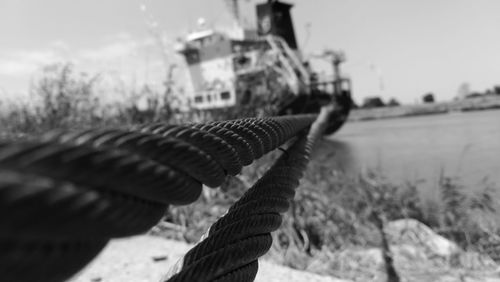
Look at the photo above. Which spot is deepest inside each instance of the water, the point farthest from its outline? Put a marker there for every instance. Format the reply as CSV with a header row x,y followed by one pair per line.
x,y
466,145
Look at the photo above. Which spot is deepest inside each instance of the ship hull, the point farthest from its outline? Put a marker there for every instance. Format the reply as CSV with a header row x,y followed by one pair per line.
x,y
312,103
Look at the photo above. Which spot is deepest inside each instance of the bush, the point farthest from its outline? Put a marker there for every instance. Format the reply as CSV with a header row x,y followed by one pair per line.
x,y
428,98
373,102
393,103
63,99
60,99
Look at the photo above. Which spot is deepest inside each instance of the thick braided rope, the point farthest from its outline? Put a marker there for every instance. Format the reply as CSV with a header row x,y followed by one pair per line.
x,y
64,196
239,238
220,150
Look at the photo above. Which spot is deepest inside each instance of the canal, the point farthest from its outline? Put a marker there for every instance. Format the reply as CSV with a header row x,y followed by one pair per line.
x,y
463,145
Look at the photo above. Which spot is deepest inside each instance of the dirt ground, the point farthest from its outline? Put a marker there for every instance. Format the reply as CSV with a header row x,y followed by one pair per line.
x,y
148,259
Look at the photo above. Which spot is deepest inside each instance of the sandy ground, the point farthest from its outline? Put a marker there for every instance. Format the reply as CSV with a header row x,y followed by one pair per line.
x,y
148,259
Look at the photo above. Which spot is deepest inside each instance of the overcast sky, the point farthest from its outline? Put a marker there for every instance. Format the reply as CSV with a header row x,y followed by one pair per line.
x,y
395,48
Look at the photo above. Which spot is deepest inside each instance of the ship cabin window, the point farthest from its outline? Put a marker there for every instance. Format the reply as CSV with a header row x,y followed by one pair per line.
x,y
225,95
209,98
330,88
198,99
207,40
247,97
196,44
236,48
192,57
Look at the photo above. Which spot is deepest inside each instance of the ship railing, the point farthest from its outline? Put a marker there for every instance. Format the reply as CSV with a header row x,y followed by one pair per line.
x,y
293,56
291,73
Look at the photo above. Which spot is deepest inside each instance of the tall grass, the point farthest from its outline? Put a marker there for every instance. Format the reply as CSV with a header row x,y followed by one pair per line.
x,y
59,99
332,212
63,98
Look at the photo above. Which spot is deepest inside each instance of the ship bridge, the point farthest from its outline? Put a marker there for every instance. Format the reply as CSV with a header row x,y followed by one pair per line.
x,y
226,70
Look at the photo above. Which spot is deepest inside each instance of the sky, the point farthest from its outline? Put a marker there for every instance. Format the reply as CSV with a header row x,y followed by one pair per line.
x,y
395,48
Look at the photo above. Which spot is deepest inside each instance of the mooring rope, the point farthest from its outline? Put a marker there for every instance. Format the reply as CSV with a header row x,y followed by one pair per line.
x,y
243,234
64,196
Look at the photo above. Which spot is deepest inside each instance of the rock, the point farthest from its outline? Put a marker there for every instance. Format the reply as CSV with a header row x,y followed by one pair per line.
x,y
419,254
412,241
159,258
413,232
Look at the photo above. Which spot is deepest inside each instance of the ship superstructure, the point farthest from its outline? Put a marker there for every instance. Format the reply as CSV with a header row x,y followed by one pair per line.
x,y
224,68
227,69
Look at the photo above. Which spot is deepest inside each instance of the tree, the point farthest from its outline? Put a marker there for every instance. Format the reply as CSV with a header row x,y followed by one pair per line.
x,y
373,102
496,89
474,95
428,98
393,103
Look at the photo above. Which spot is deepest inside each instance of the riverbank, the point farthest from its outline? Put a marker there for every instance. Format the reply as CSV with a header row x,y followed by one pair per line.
x,y
471,104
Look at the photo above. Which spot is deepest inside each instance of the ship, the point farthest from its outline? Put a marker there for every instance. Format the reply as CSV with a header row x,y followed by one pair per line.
x,y
263,62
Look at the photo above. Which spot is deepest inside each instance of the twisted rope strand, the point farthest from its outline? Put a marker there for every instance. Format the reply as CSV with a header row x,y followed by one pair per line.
x,y
64,196
216,147
167,151
255,214
252,141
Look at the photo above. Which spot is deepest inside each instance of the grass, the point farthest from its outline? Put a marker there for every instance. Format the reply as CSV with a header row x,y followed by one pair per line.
x,y
331,211
334,211
64,99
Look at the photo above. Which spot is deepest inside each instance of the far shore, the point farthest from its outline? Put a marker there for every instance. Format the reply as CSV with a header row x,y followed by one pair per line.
x,y
466,105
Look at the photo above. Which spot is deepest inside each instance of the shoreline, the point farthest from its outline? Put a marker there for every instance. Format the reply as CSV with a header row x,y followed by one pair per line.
x,y
463,106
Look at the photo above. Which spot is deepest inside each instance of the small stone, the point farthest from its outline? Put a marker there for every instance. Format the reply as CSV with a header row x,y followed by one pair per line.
x,y
160,258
